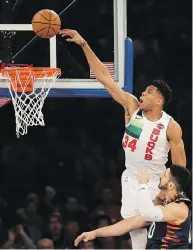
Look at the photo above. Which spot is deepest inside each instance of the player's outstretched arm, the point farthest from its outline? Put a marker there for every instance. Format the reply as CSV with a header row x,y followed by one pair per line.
x,y
117,229
174,134
101,72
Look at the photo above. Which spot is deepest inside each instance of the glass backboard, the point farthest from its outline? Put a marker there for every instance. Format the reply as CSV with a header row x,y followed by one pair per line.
x,y
101,23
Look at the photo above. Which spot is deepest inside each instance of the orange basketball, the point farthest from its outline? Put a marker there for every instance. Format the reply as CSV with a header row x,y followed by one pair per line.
x,y
46,23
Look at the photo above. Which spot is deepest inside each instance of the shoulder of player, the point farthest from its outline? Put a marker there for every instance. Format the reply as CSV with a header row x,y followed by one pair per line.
x,y
173,129
179,210
131,104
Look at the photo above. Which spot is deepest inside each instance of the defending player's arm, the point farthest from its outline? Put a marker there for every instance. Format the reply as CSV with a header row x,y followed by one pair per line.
x,y
117,229
150,212
101,72
174,133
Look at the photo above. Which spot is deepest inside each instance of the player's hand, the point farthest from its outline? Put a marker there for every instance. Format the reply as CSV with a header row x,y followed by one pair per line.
x,y
75,37
143,177
85,237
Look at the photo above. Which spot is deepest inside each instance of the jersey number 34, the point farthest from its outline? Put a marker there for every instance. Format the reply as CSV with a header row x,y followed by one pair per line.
x,y
129,143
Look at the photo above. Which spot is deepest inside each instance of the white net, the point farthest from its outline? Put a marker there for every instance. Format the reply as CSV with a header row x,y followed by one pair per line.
x,y
28,105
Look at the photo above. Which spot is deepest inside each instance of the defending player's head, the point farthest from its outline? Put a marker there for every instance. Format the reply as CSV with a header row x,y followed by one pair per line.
x,y
157,95
175,179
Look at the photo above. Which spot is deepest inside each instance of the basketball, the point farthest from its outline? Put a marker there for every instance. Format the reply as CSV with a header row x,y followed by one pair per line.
x,y
46,23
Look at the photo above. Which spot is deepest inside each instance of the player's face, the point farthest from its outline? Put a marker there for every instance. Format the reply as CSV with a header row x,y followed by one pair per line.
x,y
150,98
164,180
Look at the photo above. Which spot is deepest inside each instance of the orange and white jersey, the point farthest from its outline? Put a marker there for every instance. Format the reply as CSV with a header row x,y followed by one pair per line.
x,y
145,143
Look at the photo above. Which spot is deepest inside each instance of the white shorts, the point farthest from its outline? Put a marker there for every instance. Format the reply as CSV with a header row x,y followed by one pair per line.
x,y
130,189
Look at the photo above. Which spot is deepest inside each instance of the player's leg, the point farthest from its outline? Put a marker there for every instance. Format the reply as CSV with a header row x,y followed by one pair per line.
x,y
130,208
130,189
139,236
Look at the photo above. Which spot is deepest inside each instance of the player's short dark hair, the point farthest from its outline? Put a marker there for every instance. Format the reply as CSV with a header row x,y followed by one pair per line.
x,y
180,176
164,89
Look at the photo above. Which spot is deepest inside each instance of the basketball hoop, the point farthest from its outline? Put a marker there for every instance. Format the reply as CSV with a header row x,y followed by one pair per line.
x,y
29,88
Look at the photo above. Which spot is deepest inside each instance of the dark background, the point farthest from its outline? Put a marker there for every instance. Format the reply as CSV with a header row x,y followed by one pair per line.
x,y
79,151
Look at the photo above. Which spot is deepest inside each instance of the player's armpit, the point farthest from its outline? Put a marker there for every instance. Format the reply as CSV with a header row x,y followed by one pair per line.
x,y
174,212
174,134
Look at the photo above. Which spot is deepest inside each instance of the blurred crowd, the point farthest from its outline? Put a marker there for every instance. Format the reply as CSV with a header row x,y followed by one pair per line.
x,y
64,178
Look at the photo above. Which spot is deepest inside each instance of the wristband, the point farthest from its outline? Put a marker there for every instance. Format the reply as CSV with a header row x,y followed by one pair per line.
x,y
83,44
